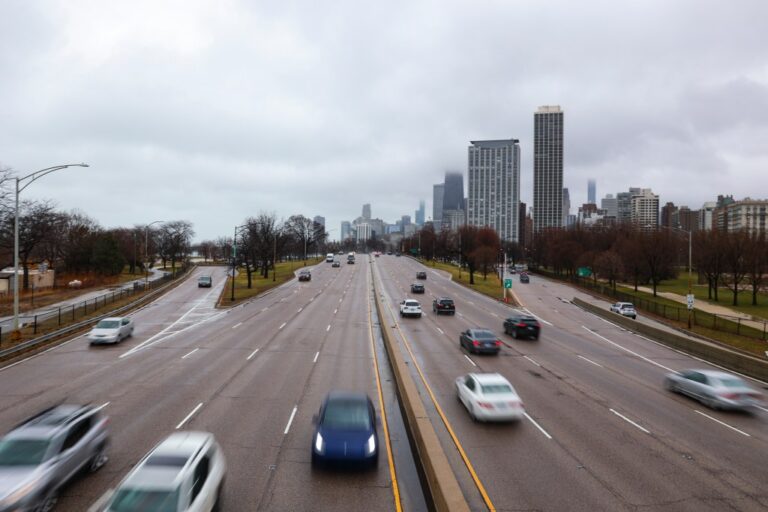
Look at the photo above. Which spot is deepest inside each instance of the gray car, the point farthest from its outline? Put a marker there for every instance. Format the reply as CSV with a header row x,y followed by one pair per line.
x,y
717,390
45,452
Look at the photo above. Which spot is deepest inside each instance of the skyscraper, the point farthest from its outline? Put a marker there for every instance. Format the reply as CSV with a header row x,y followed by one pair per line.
x,y
547,168
494,186
591,191
645,208
346,228
610,205
566,205
366,211
437,204
319,219
453,193
420,214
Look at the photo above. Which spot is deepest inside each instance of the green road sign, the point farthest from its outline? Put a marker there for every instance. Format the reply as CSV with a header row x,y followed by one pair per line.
x,y
507,283
584,271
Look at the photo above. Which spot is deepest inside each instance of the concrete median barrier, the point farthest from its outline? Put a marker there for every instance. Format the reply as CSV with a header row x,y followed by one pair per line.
x,y
709,351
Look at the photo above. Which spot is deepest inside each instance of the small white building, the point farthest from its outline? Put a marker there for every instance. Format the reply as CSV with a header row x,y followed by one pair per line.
x,y
39,278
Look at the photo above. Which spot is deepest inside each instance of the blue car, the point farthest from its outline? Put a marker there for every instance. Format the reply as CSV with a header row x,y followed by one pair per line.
x,y
345,430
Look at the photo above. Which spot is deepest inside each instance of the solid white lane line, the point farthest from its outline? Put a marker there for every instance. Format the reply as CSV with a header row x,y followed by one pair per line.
x,y
328,328
102,406
628,350
439,330
290,420
629,420
335,311
197,408
471,302
189,353
537,425
283,325
723,423
590,361
340,300
264,309
237,325
762,408
462,316
537,317
531,360
300,310
316,356
470,360
494,314
252,354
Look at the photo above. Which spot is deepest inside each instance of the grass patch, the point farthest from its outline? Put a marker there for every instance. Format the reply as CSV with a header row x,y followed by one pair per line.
x,y
284,272
490,286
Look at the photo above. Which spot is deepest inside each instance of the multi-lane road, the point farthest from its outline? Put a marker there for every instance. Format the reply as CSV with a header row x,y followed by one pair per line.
x,y
600,432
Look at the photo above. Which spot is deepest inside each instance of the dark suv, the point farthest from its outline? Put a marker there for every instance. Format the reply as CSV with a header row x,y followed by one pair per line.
x,y
417,288
305,275
421,275
522,326
204,282
45,452
444,305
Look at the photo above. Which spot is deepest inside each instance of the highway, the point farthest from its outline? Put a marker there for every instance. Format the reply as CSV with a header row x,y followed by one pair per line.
x,y
253,375
601,432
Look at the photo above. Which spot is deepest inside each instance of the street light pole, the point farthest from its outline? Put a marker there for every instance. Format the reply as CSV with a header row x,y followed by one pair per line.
x,y
32,177
146,252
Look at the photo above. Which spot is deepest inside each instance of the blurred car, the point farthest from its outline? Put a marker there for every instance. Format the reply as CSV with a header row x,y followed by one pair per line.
x,y
624,309
46,451
336,264
185,472
715,389
410,307
397,254
479,340
421,275
345,430
489,397
389,253
444,305
305,275
417,288
111,330
524,278
520,325
204,281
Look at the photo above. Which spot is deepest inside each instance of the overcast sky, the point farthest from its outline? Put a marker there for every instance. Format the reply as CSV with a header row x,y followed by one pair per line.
x,y
211,111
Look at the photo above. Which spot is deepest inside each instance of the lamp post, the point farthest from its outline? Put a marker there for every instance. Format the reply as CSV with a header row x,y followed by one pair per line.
x,y
32,177
146,252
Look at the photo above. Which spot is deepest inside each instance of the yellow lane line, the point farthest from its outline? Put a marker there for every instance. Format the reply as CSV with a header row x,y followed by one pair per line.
x,y
393,475
478,483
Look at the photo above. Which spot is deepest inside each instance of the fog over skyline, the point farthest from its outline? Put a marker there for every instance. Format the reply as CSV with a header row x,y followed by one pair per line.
x,y
215,111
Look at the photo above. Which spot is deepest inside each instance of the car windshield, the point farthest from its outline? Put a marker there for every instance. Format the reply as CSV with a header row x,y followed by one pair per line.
x,y
491,389
411,304
346,415
129,500
108,324
447,302
484,335
22,452
732,382
204,279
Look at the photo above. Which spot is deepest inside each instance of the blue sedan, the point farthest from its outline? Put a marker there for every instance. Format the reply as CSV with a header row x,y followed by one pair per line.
x,y
345,430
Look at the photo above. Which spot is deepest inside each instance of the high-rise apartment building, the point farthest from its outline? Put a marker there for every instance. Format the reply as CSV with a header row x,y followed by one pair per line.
x,y
566,205
610,205
363,232
319,219
749,215
624,204
420,214
547,168
494,186
438,191
453,192
689,219
669,215
591,191
366,211
645,208
346,230
521,222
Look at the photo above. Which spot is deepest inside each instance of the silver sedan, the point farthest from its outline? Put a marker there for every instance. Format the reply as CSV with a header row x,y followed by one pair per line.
x,y
717,390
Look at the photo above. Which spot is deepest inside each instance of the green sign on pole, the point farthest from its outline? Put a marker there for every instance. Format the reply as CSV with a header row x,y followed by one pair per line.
x,y
507,283
584,271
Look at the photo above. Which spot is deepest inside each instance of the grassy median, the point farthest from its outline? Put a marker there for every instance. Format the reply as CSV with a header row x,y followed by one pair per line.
x,y
284,272
490,285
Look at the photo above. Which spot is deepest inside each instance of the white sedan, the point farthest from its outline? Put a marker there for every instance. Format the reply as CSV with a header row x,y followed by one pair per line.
x,y
489,397
111,330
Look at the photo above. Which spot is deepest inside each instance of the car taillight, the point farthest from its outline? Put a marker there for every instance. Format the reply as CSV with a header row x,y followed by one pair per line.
x,y
729,396
498,343
521,324
485,405
515,404
475,343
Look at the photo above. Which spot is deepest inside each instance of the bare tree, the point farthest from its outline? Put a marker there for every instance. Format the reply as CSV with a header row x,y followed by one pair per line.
x,y
756,262
175,239
735,261
709,257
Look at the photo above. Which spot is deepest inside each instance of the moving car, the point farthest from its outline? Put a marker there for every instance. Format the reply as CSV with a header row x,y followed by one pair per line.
x,y
417,288
421,275
715,389
524,278
520,325
625,309
443,305
336,264
111,330
204,281
305,275
47,451
185,472
329,257
345,430
410,307
480,340
488,397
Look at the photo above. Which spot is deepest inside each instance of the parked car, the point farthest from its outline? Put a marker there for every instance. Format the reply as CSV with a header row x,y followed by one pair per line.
x,y
520,325
625,309
345,430
204,282
417,288
111,330
336,264
444,305
421,275
715,389
185,472
410,307
489,397
479,340
40,456
524,278
305,275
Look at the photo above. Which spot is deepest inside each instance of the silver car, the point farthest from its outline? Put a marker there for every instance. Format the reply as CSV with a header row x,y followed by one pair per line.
x,y
624,309
111,330
717,390
45,452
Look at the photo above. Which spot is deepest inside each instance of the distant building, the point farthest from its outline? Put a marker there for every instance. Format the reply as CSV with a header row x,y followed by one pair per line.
x,y
748,215
453,219
688,219
453,191
547,168
420,214
566,205
366,211
645,208
521,223
363,232
669,215
319,220
610,205
624,205
591,191
438,192
346,230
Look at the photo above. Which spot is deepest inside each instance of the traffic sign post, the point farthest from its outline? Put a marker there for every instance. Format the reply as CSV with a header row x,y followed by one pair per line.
x,y
507,283
690,301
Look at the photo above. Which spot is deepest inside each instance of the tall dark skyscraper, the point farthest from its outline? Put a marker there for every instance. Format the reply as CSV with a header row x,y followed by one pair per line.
x,y
453,193
547,168
591,191
437,204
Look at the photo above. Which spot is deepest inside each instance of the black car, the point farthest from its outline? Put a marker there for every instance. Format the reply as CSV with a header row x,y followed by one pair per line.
x,y
524,278
522,326
417,288
336,264
305,275
421,275
444,305
204,282
480,340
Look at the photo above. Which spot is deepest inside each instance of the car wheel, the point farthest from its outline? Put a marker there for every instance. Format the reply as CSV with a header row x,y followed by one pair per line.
x,y
99,459
49,502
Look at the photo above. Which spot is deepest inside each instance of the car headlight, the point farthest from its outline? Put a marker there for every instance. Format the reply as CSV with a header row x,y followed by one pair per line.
x,y
370,446
319,445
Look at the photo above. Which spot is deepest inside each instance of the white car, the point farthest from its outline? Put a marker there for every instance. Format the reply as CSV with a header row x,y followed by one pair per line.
x,y
184,473
489,397
111,330
410,307
624,309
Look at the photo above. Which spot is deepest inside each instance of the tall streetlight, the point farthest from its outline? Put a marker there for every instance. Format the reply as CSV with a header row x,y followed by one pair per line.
x,y
32,177
146,254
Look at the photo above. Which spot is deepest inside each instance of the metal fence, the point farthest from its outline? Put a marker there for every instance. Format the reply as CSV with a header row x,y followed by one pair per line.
x,y
716,322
